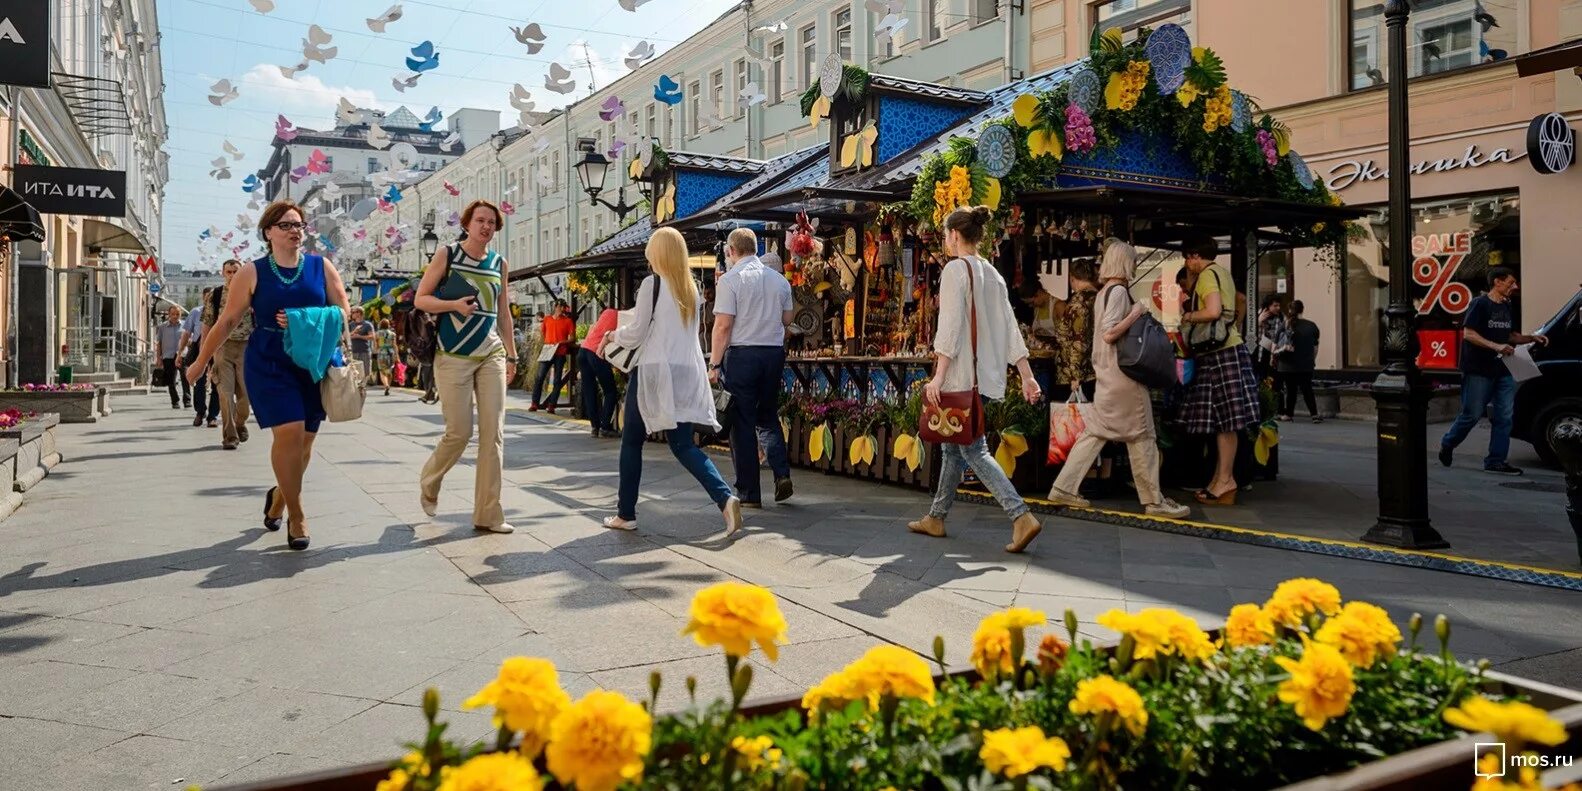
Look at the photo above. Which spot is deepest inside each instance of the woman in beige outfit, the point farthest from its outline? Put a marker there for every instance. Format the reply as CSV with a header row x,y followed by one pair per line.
x,y
1122,411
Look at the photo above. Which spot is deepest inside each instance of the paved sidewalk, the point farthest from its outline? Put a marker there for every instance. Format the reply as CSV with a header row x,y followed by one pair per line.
x,y
152,634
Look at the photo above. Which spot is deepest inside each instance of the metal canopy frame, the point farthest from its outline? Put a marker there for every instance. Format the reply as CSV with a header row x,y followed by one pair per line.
x,y
98,104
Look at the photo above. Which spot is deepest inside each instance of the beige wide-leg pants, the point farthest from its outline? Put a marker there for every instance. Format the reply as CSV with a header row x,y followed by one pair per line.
x,y
1144,453
460,382
234,406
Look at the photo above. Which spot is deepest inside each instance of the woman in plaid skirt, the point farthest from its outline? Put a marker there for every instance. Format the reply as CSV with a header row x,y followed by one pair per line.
x,y
1223,397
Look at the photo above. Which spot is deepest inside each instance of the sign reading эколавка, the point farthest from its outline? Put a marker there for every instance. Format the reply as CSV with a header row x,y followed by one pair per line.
x,y
94,193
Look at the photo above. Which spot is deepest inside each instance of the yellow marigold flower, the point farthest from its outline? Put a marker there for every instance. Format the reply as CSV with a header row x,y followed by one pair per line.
x,y
1295,599
757,752
1512,721
1361,632
1022,617
526,696
1104,695
1149,636
991,647
1217,109
1051,654
835,690
599,742
412,765
1320,686
1248,625
1161,632
890,670
1013,753
734,615
492,772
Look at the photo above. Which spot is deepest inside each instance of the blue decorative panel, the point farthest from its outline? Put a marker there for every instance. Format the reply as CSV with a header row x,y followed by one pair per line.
x,y
789,382
1139,161
905,121
696,189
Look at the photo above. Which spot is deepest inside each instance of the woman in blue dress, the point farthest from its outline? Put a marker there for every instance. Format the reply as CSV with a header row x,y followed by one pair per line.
x,y
285,397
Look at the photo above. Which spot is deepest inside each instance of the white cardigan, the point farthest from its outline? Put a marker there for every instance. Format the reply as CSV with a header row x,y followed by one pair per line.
x,y
1000,340
672,376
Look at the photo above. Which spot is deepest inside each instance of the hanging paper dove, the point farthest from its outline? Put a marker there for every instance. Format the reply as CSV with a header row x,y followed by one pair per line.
x,y
318,162
346,112
402,84
750,96
250,184
298,174
378,137
616,147
506,208
530,36
668,90
377,24
521,99
315,46
284,129
290,72
227,237
203,234
454,190
221,171
632,5
773,27
360,234
450,141
386,206
453,220
434,116
612,109
545,180
235,153
243,222
394,195
559,79
263,6
424,58
221,93
639,54
889,27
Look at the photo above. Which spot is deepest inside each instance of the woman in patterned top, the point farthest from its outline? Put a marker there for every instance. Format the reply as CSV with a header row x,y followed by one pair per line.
x,y
1074,330
472,362
385,353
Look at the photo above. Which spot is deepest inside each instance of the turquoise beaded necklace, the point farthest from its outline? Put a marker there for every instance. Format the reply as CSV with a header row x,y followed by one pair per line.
x,y
296,273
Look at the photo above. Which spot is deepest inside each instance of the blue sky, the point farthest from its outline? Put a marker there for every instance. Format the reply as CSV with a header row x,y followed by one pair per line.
x,y
206,40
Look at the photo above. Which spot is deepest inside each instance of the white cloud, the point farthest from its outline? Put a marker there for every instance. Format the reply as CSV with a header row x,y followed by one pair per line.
x,y
306,95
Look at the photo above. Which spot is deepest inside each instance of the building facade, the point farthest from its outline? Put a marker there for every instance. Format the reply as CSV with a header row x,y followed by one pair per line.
x,y
78,299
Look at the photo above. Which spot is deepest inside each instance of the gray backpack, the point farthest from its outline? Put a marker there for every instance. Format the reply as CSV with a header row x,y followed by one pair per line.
x,y
1146,353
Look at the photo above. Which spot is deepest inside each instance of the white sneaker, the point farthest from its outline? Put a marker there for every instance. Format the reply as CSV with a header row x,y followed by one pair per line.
x,y
430,507
1169,509
617,523
733,516
503,527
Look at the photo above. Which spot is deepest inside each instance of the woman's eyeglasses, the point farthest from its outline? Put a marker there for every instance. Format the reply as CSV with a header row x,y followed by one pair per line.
x,y
291,226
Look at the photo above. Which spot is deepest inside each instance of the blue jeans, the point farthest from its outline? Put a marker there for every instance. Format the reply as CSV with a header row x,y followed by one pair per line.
x,y
634,434
597,377
753,376
559,364
1499,395
954,460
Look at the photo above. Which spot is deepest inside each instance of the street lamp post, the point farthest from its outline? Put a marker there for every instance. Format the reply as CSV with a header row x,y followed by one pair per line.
x,y
429,244
1399,392
592,171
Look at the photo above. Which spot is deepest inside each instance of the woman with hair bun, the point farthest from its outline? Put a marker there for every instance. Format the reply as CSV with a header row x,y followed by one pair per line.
x,y
999,345
284,396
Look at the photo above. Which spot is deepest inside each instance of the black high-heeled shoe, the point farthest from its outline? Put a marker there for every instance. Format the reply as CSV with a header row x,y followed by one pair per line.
x,y
298,543
271,523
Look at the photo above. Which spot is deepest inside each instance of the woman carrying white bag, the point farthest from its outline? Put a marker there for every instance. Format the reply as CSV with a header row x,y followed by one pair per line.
x,y
1121,409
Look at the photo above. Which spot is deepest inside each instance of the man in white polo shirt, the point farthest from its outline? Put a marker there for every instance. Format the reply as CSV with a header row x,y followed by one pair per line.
x,y
752,308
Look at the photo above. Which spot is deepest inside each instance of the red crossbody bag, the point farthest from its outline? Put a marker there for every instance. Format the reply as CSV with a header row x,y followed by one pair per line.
x,y
958,419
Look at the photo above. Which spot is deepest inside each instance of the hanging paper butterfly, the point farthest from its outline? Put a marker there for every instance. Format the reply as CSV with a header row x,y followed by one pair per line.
x,y
668,90
394,195
506,208
284,129
251,183
424,58
318,162
434,116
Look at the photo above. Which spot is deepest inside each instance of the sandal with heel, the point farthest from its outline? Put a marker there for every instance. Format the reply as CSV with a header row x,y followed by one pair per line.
x,y
271,523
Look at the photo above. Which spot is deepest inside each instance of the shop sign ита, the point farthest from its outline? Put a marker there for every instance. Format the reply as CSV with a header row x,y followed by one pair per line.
x,y
24,43
82,191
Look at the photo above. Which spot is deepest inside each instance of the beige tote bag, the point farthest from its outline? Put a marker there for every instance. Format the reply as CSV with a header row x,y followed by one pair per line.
x,y
342,391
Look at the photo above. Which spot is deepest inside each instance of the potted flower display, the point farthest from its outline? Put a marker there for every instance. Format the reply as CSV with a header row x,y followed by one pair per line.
x,y
75,403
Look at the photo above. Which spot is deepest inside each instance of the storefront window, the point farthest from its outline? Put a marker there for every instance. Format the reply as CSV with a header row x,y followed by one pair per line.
x,y
1442,35
1455,242
1130,15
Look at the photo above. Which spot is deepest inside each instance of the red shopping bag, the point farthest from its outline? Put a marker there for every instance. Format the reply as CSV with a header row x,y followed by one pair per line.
x,y
1066,422
400,374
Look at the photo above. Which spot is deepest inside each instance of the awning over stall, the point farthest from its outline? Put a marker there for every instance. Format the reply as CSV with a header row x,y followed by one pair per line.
x,y
18,219
108,237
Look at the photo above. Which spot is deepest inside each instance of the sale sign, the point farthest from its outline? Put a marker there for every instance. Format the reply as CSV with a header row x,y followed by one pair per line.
x,y
1437,257
1438,350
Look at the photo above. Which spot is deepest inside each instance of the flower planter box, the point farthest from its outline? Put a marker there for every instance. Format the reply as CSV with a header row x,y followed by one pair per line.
x,y
10,498
36,450
73,406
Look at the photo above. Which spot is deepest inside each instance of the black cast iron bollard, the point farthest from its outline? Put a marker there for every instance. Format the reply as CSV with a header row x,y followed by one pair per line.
x,y
1566,439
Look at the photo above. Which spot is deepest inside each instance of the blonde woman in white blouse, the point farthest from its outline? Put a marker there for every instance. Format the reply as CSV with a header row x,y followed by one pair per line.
x,y
668,386
1000,345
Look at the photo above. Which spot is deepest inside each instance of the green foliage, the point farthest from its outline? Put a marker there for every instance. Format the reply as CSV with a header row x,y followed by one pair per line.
x,y
1014,413
853,86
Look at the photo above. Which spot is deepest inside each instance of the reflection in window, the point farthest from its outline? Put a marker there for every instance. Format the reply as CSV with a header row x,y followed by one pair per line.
x,y
1129,15
1442,35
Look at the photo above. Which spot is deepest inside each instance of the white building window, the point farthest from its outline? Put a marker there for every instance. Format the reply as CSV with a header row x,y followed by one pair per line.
x,y
717,92
695,107
652,122
741,87
807,38
556,171
934,23
777,70
843,34
984,10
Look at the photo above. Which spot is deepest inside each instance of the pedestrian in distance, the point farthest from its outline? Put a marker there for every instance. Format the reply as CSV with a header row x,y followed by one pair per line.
x,y
1073,329
1488,336
559,332
385,353
362,334
420,341
667,388
167,340
229,366
1122,407
206,397
1273,337
1222,400
284,396
598,377
752,309
472,362
1297,358
999,344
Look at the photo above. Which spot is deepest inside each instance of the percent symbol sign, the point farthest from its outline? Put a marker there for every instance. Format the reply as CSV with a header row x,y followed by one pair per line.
x,y
1443,291
1438,349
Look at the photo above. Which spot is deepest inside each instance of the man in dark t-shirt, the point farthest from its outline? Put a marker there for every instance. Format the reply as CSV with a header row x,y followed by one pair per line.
x,y
1488,336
